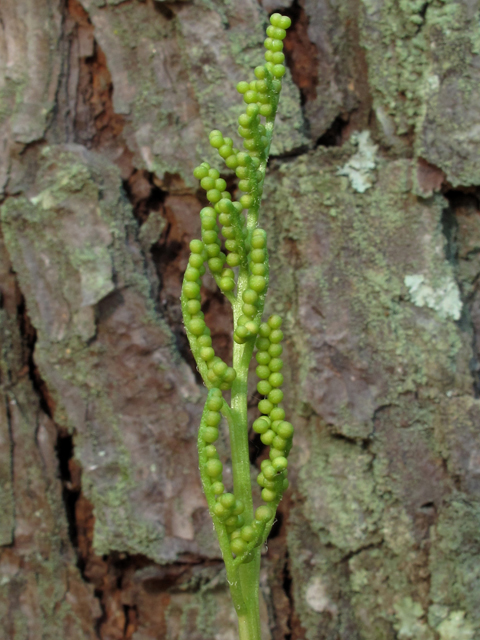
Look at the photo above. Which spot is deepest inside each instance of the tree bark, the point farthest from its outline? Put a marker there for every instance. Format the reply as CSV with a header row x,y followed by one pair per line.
x,y
373,218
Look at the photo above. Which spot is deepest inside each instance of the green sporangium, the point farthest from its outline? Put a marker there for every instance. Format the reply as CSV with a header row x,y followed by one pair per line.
x,y
241,271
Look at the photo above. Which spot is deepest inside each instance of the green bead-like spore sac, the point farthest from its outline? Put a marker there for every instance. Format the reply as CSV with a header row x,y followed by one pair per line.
x,y
274,430
211,466
218,373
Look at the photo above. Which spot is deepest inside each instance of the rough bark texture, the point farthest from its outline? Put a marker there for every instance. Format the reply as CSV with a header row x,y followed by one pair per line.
x,y
372,206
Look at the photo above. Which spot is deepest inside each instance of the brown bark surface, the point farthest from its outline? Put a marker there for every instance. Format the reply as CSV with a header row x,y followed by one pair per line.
x,y
372,208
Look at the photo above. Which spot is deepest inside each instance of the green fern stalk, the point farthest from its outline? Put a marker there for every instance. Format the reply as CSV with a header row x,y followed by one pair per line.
x,y
241,272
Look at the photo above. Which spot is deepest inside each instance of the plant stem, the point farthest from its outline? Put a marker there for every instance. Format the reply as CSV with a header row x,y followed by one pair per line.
x,y
239,437
249,579
248,622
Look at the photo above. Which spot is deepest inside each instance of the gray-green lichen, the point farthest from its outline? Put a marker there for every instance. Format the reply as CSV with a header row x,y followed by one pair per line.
x,y
342,508
393,36
445,298
409,623
424,78
360,166
455,627
377,374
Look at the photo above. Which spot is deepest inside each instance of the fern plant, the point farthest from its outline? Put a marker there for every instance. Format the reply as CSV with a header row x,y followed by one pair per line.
x,y
241,271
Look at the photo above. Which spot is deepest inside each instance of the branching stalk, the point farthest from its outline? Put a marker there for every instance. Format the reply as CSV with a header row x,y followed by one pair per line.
x,y
239,265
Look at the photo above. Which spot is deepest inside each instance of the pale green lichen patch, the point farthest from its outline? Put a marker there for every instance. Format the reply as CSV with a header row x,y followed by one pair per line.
x,y
444,299
317,597
454,567
359,169
455,627
395,43
408,623
77,253
94,264
342,506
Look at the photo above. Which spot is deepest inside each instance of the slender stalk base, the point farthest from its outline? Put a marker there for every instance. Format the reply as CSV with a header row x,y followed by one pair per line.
x,y
249,626
249,579
247,574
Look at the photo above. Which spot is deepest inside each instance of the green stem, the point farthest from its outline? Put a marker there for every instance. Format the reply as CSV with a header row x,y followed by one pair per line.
x,y
249,580
249,624
249,573
239,429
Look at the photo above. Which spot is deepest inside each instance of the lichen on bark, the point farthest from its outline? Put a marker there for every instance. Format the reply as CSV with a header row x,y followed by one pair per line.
x,y
377,374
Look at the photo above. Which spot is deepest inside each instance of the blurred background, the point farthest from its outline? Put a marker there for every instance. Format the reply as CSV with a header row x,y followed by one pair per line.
x,y
372,211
